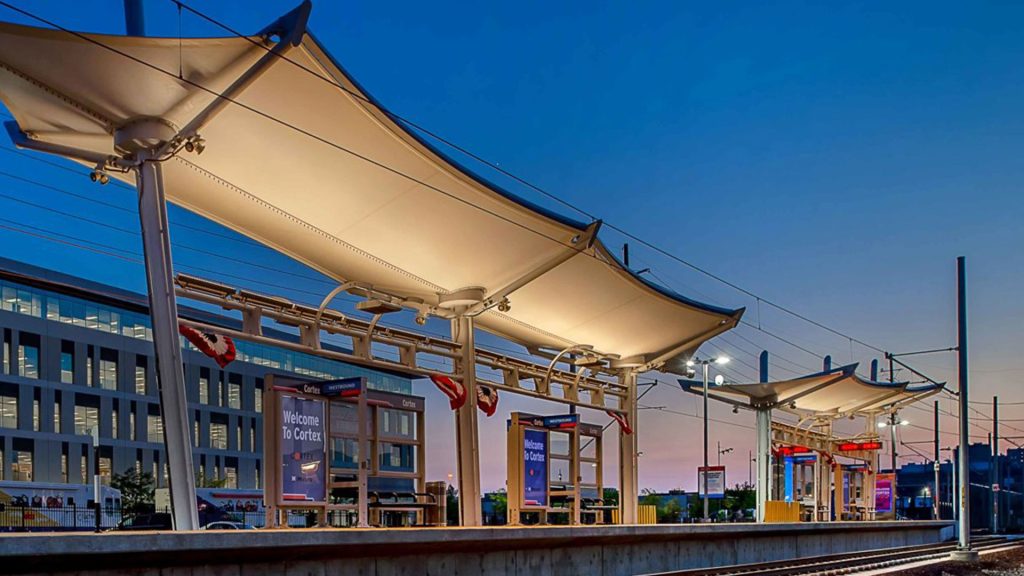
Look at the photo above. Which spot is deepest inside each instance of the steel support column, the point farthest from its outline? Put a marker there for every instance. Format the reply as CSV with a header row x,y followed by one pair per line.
x,y
467,441
764,460
163,312
628,490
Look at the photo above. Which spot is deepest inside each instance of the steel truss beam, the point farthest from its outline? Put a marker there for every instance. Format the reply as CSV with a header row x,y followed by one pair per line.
x,y
407,348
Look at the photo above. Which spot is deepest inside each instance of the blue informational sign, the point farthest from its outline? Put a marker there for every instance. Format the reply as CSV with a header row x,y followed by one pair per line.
x,y
303,449
562,421
535,467
344,387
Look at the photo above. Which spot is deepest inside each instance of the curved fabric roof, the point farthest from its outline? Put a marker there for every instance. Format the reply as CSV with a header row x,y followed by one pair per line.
x,y
327,176
838,392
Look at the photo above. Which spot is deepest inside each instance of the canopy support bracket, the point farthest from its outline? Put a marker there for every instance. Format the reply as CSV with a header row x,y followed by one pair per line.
x,y
578,244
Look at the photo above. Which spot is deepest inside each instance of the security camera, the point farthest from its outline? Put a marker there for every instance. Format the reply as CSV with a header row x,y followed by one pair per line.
x,y
504,305
421,319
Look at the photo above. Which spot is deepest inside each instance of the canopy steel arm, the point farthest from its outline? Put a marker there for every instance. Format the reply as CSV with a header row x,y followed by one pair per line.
x,y
667,355
579,243
842,374
291,27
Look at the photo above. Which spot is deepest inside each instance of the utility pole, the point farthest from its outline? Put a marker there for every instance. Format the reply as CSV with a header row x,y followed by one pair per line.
x,y
936,467
892,440
994,465
963,551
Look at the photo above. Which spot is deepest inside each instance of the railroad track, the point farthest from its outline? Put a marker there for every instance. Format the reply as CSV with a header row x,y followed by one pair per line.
x,y
847,563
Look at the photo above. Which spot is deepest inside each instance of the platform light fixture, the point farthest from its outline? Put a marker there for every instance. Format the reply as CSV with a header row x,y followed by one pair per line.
x,y
719,380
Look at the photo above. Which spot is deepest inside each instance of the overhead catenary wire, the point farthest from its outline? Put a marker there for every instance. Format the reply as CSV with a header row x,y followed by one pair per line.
x,y
521,180
399,173
385,167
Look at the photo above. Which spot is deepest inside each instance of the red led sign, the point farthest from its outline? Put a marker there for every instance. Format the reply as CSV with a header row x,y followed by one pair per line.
x,y
854,446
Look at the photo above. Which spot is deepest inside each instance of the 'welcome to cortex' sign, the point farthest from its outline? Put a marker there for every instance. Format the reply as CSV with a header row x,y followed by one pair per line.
x,y
535,467
303,449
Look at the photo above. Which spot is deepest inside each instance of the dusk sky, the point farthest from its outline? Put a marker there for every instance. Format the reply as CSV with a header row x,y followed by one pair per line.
x,y
831,159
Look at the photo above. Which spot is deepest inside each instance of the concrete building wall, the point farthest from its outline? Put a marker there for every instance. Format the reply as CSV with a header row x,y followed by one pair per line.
x,y
534,551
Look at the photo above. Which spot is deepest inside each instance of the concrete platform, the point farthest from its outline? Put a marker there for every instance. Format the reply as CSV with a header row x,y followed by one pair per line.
x,y
534,551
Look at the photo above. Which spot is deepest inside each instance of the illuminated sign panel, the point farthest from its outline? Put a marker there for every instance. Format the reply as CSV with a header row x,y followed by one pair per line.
x,y
303,449
854,446
535,467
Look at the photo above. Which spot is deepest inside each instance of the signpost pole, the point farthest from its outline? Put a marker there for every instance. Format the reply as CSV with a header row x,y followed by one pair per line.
x,y
364,464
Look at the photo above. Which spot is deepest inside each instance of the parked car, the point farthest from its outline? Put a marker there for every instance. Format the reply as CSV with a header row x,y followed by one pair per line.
x,y
228,525
154,521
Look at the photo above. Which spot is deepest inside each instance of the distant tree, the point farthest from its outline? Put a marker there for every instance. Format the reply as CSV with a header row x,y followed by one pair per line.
x,y
452,506
610,496
500,499
136,489
203,481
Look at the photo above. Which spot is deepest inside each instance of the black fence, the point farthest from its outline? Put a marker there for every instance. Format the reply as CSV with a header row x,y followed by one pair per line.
x,y
63,519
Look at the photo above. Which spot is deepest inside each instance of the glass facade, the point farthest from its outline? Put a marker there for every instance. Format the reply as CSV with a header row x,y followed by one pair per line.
x,y
8,411
108,369
105,382
86,418
67,362
28,360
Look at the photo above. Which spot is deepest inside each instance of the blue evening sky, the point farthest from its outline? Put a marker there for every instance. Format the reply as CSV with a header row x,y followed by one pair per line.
x,y
833,159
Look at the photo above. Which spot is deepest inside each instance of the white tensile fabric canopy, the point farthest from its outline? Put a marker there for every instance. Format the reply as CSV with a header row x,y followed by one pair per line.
x,y
303,160
839,392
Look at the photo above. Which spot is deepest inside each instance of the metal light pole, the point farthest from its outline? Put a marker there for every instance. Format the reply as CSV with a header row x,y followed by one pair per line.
x,y
963,551
704,480
936,511
704,373
994,465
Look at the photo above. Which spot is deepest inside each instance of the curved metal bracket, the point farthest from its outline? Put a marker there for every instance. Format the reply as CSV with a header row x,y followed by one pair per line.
x,y
327,300
551,366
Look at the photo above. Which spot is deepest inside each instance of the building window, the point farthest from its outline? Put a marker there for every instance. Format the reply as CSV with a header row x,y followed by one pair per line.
x,y
230,477
23,466
252,437
258,396
105,469
140,375
114,421
7,351
344,453
131,425
155,428
56,413
204,386
35,414
64,466
108,369
9,411
28,356
67,362
234,393
21,301
238,437
195,430
85,466
218,435
397,457
86,418
88,367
